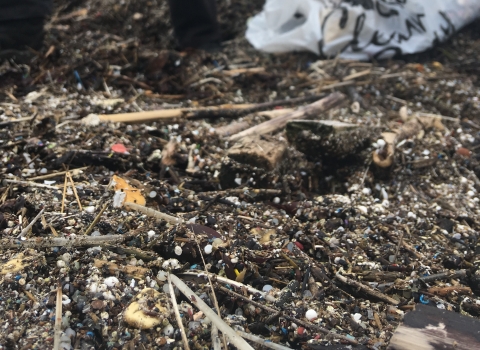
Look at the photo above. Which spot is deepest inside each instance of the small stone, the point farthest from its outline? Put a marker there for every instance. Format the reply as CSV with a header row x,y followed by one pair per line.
x,y
311,315
61,263
168,330
97,304
111,281
178,250
267,288
208,249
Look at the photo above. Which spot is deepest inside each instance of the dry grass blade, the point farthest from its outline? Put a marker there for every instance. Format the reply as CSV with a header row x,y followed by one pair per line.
x,y
78,241
95,221
154,213
235,339
64,192
74,189
216,344
263,342
73,172
31,184
29,227
58,319
224,280
213,290
177,313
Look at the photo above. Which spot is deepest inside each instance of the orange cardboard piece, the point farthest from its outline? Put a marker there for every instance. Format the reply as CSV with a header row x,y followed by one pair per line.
x,y
132,194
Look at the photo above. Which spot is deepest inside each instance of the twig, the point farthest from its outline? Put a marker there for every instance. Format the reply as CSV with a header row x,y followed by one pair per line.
x,y
29,227
177,313
267,191
366,289
77,241
64,192
400,243
224,280
262,342
58,319
357,75
31,184
216,344
228,110
215,301
154,213
291,318
235,339
74,190
95,221
305,112
290,261
73,172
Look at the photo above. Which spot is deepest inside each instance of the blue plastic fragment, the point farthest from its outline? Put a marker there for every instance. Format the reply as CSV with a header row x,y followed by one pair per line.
x,y
90,334
422,300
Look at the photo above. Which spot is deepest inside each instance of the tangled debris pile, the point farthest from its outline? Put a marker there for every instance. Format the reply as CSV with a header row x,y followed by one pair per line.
x,y
302,219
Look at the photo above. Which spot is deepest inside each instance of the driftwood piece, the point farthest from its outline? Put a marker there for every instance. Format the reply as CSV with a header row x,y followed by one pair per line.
x,y
429,328
306,112
262,153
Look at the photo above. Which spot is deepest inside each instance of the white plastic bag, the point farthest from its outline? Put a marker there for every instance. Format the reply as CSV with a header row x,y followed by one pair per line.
x,y
358,29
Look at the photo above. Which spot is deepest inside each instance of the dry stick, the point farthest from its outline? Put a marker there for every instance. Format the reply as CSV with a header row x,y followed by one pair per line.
x,y
166,113
305,112
430,278
224,280
235,339
74,190
78,241
366,289
28,228
230,110
95,221
73,172
64,192
291,318
216,344
58,319
400,243
213,290
154,213
177,313
262,342
31,184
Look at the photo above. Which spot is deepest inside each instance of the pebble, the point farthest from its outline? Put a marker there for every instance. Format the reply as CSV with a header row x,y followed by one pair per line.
x,y
152,194
61,263
178,250
267,288
90,209
111,281
168,330
311,315
208,249
162,276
